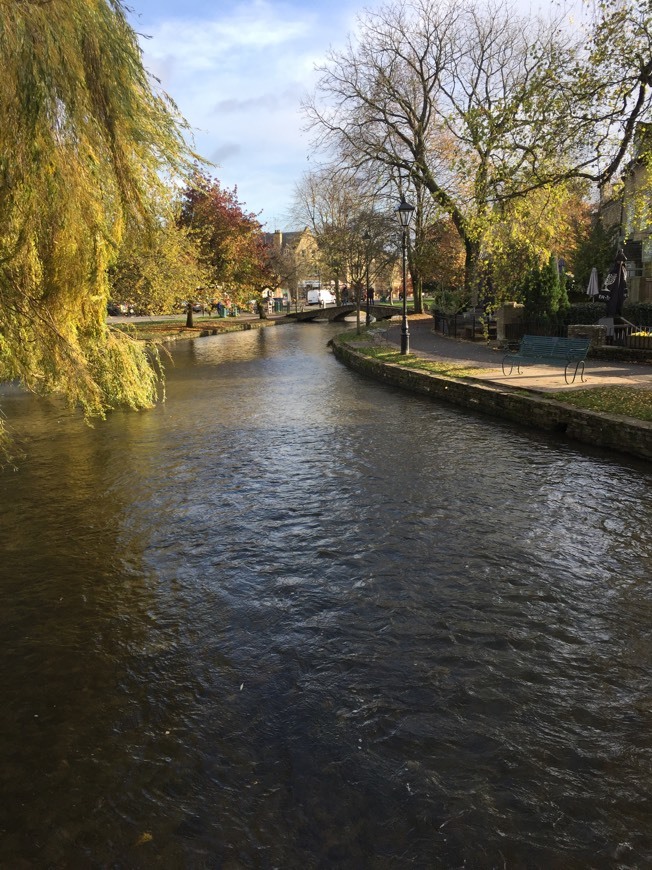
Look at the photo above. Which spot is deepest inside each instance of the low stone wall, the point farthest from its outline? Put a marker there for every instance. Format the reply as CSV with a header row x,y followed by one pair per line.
x,y
621,354
590,427
640,352
595,331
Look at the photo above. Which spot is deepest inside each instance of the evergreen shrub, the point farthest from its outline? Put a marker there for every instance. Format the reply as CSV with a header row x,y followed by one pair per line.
x,y
639,313
585,312
544,294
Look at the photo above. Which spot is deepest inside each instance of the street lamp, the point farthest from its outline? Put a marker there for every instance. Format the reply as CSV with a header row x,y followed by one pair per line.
x,y
366,238
404,212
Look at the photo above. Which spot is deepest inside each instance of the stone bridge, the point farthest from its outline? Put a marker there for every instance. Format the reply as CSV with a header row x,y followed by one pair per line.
x,y
339,312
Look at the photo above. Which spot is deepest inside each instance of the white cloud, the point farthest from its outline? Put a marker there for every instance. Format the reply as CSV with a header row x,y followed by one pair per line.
x,y
199,45
237,76
267,102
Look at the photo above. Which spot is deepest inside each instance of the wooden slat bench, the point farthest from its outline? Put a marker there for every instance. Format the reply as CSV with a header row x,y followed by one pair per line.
x,y
548,349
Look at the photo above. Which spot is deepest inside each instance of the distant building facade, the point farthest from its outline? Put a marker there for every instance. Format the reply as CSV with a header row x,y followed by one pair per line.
x,y
298,255
631,212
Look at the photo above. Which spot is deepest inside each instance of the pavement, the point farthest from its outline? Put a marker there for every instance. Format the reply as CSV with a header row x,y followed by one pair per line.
x,y
487,358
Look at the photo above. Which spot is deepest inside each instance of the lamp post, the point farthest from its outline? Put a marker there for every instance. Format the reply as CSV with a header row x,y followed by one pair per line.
x,y
405,212
366,239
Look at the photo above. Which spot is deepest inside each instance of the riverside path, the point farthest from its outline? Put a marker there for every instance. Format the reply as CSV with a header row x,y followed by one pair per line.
x,y
487,357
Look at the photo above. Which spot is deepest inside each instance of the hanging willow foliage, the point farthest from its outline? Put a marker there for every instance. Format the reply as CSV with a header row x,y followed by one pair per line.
x,y
87,143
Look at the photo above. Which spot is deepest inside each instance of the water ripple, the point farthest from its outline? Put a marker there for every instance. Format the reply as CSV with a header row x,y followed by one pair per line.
x,y
294,619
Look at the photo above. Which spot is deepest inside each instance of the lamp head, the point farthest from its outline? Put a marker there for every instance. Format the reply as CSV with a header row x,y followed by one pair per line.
x,y
405,212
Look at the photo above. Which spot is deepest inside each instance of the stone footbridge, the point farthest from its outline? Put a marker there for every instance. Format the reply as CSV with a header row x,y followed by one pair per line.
x,y
339,312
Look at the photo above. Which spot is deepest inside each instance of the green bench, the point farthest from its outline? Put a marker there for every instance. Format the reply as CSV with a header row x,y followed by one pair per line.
x,y
549,350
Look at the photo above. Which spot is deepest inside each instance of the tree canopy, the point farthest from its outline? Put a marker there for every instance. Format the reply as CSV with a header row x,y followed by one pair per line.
x,y
157,269
229,239
482,107
87,143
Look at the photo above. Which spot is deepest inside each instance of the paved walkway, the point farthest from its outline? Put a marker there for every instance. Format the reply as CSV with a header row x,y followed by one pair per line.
x,y
426,343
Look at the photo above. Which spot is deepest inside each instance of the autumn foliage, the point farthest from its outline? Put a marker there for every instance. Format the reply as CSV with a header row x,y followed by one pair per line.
x,y
87,143
229,240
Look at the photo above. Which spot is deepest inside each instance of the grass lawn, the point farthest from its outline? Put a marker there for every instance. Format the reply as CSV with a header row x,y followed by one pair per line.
x,y
387,355
633,402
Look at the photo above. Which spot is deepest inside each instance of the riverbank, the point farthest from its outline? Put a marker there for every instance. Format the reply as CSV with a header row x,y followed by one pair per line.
x,y
173,330
478,384
468,374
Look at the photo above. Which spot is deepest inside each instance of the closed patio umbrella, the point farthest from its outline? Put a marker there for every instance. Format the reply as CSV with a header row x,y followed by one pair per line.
x,y
594,288
614,291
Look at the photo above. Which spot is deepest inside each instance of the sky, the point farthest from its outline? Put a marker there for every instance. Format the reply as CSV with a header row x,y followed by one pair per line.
x,y
237,70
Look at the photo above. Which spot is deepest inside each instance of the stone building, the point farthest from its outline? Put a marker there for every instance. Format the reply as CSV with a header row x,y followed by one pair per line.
x,y
631,212
298,258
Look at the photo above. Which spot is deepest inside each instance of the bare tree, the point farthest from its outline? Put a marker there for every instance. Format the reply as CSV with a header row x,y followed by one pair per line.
x,y
355,232
612,86
477,107
323,201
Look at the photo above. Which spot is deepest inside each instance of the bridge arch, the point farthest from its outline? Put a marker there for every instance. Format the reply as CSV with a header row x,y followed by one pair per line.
x,y
339,312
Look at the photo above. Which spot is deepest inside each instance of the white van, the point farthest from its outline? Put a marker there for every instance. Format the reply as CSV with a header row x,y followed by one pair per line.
x,y
320,297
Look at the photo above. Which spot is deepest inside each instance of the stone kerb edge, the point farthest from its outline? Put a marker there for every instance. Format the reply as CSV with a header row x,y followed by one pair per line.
x,y
590,427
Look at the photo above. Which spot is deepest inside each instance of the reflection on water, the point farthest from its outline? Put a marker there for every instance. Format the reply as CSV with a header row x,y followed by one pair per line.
x,y
293,619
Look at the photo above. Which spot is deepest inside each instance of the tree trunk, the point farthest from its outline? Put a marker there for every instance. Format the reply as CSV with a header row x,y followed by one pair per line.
x,y
417,292
358,296
189,320
471,264
417,285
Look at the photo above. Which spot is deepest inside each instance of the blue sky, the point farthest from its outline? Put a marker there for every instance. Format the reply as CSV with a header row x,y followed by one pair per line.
x,y
237,71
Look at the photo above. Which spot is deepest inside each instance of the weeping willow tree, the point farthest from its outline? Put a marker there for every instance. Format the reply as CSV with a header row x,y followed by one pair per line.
x,y
87,142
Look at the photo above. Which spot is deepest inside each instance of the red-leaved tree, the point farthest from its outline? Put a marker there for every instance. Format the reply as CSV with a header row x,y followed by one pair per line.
x,y
230,240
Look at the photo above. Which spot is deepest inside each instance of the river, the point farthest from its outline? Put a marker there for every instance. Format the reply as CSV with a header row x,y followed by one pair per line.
x,y
293,619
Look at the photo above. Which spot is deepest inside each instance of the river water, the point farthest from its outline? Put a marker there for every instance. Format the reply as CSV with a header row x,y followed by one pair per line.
x,y
293,619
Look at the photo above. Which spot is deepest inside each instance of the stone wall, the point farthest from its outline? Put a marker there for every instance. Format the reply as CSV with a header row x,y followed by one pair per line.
x,y
595,331
507,315
603,430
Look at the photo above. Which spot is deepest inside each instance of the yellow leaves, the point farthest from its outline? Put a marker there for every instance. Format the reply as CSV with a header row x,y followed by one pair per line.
x,y
532,228
85,144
